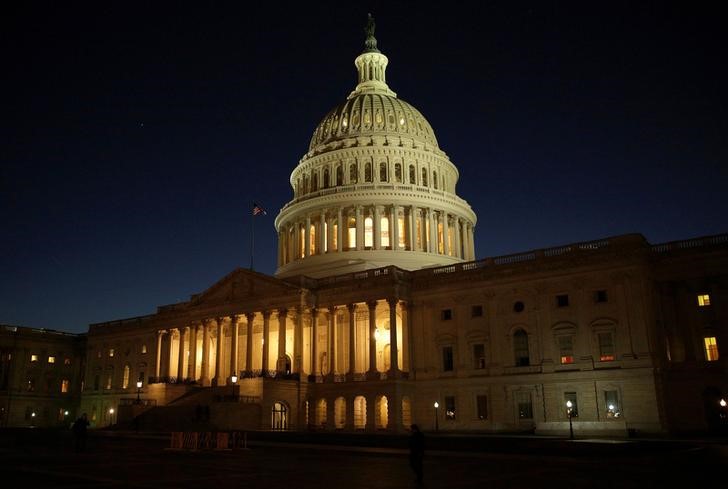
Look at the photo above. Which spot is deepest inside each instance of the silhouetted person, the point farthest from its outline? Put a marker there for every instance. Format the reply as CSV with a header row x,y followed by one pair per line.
x,y
79,429
417,451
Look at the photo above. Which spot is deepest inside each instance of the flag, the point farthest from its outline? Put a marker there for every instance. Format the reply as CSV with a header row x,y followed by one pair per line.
x,y
258,210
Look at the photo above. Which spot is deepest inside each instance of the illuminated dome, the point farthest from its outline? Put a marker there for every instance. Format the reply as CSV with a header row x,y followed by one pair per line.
x,y
374,188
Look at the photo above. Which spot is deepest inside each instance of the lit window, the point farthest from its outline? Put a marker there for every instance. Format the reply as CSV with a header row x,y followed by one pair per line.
x,y
108,382
65,385
566,349
30,385
111,352
33,358
703,300
67,361
51,359
711,348
611,401
144,348
125,379
479,356
449,407
384,229
368,232
606,347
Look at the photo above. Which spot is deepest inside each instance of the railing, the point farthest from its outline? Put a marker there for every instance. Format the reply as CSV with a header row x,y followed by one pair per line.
x,y
237,398
171,380
269,374
717,239
133,401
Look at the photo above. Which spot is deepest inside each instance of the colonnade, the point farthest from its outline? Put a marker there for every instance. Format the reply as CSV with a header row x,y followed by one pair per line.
x,y
376,227
357,341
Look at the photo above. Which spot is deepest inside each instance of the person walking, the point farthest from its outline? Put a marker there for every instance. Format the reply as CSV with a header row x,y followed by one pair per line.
x,y
417,451
79,432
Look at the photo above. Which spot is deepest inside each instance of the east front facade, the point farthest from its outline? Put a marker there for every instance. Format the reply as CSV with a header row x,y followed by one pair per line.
x,y
379,314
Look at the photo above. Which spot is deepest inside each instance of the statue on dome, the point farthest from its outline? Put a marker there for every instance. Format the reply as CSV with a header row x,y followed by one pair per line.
x,y
371,41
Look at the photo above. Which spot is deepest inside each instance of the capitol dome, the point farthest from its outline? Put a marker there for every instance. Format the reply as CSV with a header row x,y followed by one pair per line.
x,y
374,188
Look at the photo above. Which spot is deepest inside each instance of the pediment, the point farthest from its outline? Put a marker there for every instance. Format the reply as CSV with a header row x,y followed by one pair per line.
x,y
243,285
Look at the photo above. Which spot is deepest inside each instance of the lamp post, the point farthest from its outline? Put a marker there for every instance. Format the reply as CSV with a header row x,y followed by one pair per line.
x,y
437,405
569,413
139,391
233,381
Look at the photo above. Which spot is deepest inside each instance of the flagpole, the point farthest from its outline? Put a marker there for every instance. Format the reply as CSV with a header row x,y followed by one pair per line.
x,y
252,237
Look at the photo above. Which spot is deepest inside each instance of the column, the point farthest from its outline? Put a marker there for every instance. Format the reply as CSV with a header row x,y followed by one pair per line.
x,y
205,362
249,367
339,231
234,331
432,218
372,372
395,227
218,380
181,359
406,334
392,243
169,357
314,341
393,349
411,226
330,235
282,313
298,342
320,235
352,346
471,237
377,229
445,234
266,329
458,241
192,363
331,337
359,229
158,371
297,241
307,234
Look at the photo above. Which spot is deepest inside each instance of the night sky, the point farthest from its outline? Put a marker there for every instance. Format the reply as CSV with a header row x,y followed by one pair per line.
x,y
136,136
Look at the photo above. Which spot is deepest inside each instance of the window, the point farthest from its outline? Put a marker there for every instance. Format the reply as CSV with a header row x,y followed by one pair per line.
x,y
481,407
382,172
520,348
339,175
611,402
353,174
412,175
600,296
125,378
446,314
398,172
33,358
368,232
447,359
97,381
703,300
327,183
562,300
67,361
98,354
711,348
424,177
571,396
144,348
524,404
479,356
566,349
109,378
384,230
30,384
65,386
450,407
606,347
368,172
476,311
434,180
51,359
518,306
111,352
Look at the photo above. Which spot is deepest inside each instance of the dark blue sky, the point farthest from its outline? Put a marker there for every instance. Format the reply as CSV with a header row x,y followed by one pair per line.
x,y
136,136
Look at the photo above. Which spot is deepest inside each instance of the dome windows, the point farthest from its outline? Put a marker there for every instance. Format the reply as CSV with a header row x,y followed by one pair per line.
x,y
353,174
383,172
344,122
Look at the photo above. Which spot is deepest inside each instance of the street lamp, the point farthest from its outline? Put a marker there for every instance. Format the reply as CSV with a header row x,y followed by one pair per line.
x,y
233,380
139,391
437,405
569,413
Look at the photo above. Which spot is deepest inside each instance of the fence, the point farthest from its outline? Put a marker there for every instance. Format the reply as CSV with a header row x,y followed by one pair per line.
x,y
208,440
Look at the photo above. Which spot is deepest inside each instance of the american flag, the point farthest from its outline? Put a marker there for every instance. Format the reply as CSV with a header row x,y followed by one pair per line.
x,y
258,210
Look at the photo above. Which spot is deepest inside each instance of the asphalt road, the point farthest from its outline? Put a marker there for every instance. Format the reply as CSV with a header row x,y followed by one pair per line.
x,y
48,460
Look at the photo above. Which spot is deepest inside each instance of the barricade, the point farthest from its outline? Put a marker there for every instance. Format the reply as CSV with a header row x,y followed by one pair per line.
x,y
207,440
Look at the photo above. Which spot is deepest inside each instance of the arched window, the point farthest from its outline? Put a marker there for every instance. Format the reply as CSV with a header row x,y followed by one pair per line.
x,y
279,416
352,233
406,412
412,175
321,413
305,184
360,412
381,413
520,348
339,175
353,174
125,380
383,172
368,172
312,239
434,179
384,227
339,413
398,172
314,182
424,177
327,183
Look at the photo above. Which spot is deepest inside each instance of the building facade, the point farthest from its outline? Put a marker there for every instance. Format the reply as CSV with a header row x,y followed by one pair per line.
x,y
379,314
